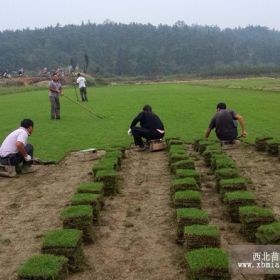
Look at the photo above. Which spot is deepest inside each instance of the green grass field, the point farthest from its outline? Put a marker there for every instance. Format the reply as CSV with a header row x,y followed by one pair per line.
x,y
185,109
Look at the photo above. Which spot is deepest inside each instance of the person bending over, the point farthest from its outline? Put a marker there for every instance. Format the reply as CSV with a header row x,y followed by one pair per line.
x,y
151,127
16,151
225,124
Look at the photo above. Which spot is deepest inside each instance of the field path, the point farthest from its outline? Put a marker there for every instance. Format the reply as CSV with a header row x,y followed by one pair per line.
x,y
136,239
264,172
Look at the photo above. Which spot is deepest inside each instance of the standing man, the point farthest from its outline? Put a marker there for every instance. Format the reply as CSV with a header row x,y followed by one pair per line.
x,y
55,90
225,124
82,86
151,127
15,151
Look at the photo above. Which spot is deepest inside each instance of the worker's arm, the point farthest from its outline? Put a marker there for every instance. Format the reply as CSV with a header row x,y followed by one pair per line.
x,y
207,132
21,149
242,124
136,120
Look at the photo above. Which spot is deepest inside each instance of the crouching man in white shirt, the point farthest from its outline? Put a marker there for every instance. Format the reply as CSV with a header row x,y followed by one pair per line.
x,y
15,151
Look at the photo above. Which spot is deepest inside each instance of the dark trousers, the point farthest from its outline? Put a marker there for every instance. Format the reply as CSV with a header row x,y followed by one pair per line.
x,y
83,92
148,134
55,107
17,159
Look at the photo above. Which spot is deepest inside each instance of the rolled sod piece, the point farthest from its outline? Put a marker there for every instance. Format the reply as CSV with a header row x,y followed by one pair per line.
x,y
185,199
79,217
233,184
182,184
272,146
177,156
182,164
94,200
201,236
226,173
207,263
234,200
67,243
174,142
44,267
186,173
269,234
211,151
109,179
204,144
260,143
251,217
188,217
92,187
222,159
224,163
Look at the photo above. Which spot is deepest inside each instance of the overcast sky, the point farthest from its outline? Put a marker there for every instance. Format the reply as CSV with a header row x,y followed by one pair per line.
x,y
19,14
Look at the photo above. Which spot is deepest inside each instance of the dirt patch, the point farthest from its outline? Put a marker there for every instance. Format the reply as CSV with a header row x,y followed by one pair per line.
x,y
264,172
136,239
30,206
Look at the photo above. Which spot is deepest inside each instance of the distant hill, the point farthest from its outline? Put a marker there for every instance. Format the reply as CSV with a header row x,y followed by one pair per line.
x,y
112,49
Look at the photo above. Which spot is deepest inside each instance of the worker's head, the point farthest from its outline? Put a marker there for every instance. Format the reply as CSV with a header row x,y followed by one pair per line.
x,y
78,75
221,106
55,77
28,125
147,108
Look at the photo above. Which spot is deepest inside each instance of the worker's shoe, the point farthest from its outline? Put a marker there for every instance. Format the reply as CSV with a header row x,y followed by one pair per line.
x,y
28,169
7,171
141,149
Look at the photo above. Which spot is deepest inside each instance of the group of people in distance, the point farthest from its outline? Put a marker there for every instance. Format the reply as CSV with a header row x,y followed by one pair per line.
x,y
17,152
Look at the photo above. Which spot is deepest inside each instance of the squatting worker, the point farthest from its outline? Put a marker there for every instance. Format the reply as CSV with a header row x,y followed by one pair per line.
x,y
225,124
151,127
81,81
55,91
16,151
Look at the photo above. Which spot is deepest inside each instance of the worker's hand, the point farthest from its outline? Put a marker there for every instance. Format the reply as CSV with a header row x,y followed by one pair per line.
x,y
244,133
28,158
129,132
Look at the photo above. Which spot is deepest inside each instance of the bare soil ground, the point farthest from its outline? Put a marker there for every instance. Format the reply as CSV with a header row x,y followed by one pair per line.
x,y
136,239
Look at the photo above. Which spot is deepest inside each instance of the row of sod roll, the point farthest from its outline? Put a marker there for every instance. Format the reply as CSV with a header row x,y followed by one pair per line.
x,y
257,222
203,257
62,248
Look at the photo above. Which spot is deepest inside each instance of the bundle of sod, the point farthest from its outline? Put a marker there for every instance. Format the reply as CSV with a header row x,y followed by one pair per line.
x,y
272,146
79,217
186,173
109,179
67,243
187,199
44,267
117,155
221,159
226,173
234,200
233,184
177,156
251,217
174,142
105,164
199,236
182,164
196,143
226,162
94,200
188,217
95,188
211,151
269,234
183,184
207,263
261,143
203,145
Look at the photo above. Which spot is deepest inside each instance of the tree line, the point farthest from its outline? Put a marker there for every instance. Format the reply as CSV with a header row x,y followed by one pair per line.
x,y
115,49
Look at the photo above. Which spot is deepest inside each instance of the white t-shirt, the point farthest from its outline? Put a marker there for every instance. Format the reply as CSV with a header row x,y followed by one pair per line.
x,y
81,81
9,144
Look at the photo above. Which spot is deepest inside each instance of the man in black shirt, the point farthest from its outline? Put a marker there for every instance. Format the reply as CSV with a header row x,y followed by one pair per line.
x,y
225,124
151,127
